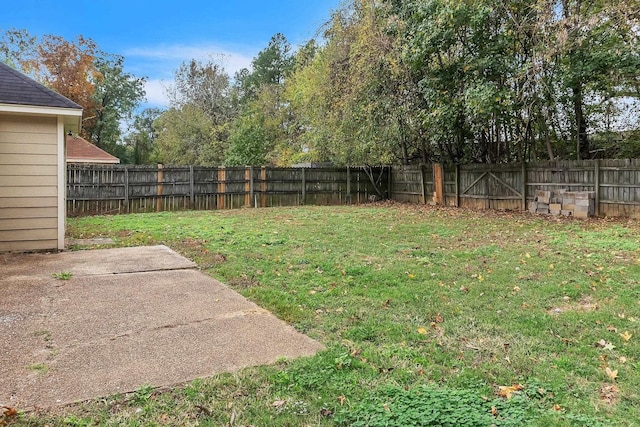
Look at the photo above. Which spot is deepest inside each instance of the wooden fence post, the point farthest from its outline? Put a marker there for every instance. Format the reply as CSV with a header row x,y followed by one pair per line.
x,y
126,189
263,187
348,198
160,187
423,189
524,186
390,183
438,184
304,186
222,187
487,191
597,188
192,188
457,185
248,177
252,189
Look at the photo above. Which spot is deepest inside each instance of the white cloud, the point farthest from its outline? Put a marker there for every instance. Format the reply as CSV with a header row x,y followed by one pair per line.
x,y
156,96
159,62
169,57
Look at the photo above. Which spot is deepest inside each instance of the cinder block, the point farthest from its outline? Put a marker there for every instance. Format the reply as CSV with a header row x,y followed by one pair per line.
x,y
581,209
585,195
568,207
533,206
555,207
584,202
543,196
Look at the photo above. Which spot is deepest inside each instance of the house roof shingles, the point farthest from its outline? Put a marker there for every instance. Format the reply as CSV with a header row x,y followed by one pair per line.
x,y
80,150
18,89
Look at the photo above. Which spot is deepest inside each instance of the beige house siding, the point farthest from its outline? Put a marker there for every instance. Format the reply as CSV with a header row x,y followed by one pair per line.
x,y
29,176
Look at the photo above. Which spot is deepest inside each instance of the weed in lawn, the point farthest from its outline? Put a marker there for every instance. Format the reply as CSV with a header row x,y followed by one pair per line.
x,y
63,275
39,368
142,394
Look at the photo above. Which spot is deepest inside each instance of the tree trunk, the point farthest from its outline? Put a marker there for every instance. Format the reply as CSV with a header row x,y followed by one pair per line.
x,y
582,140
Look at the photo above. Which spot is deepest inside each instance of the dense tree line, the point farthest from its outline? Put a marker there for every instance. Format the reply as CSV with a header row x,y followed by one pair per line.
x,y
398,81
406,81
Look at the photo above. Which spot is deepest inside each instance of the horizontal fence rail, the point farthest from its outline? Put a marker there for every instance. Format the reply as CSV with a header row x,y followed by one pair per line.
x,y
107,189
112,189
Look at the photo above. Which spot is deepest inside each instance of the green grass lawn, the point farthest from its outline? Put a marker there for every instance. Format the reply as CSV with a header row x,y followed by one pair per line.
x,y
430,317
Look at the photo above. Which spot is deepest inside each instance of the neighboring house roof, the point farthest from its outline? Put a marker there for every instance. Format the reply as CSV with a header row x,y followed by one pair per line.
x,y
80,150
16,88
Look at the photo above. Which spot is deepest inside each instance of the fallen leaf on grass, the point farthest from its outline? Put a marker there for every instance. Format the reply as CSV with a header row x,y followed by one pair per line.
x,y
605,345
341,399
612,374
509,391
494,411
557,407
612,328
278,403
623,360
8,412
626,336
422,331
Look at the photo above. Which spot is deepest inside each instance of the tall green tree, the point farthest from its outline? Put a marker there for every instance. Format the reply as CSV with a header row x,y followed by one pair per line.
x,y
205,85
195,130
187,136
270,67
141,137
260,133
115,97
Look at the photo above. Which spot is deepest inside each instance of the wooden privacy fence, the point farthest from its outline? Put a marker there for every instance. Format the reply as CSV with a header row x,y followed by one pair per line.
x,y
616,184
98,189
123,189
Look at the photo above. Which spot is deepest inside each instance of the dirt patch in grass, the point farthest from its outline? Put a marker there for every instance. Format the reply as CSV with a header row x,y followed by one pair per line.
x,y
243,282
585,304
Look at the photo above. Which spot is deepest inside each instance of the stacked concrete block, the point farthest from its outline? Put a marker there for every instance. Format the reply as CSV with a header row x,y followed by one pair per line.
x,y
568,204
584,205
543,198
580,204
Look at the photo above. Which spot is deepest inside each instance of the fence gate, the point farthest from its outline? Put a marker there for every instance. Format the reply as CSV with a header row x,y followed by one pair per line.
x,y
482,187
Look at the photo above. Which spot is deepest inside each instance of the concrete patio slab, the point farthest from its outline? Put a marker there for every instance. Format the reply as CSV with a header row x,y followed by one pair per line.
x,y
126,318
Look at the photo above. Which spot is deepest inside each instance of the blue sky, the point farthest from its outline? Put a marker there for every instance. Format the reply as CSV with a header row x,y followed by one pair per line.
x,y
156,36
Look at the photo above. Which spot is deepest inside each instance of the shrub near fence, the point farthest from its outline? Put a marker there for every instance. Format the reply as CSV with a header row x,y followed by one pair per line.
x,y
111,189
